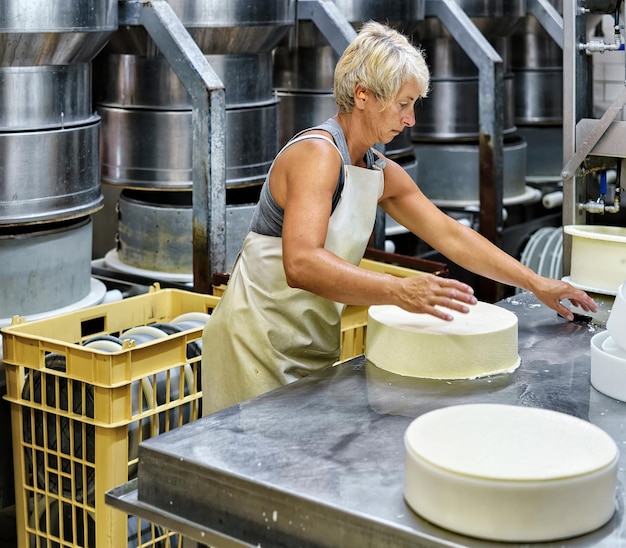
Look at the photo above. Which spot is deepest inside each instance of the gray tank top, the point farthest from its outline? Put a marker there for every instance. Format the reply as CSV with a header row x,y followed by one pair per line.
x,y
268,216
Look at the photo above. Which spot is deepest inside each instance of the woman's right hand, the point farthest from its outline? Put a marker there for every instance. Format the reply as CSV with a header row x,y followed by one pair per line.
x,y
430,294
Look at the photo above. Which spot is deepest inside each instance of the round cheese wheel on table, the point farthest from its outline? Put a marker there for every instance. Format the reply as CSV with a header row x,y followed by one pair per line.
x,y
508,473
479,343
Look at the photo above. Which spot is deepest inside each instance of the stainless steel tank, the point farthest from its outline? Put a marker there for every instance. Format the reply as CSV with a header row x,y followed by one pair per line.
x,y
49,150
446,130
153,237
45,267
147,113
450,112
45,82
537,66
146,121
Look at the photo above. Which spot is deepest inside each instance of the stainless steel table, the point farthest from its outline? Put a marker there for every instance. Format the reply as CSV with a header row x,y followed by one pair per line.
x,y
320,462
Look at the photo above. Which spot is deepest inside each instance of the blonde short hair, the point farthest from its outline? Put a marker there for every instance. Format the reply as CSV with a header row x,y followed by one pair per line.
x,y
382,60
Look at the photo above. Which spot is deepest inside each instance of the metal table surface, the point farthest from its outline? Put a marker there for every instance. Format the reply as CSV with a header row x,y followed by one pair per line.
x,y
320,462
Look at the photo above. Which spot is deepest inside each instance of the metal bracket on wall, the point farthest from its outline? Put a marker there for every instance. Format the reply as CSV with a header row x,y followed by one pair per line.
x,y
208,130
594,132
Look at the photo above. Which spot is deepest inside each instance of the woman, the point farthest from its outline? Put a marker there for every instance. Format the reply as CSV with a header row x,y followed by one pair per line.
x,y
280,317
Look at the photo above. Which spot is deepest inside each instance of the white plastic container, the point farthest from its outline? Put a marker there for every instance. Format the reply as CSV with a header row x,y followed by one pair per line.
x,y
616,323
608,366
598,256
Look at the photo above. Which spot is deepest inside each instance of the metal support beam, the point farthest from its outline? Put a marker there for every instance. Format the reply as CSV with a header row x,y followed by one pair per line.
x,y
330,22
490,108
596,129
208,130
548,18
490,112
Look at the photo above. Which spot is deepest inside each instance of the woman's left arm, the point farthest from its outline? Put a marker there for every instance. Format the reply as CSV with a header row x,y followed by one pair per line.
x,y
405,202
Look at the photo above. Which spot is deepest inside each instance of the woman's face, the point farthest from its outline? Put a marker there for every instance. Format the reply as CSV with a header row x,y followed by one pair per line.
x,y
399,115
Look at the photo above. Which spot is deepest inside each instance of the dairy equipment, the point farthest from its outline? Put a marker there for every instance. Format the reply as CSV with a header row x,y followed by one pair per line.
x,y
49,162
150,132
593,146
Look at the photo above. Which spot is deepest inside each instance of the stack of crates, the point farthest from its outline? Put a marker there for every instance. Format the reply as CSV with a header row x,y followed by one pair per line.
x,y
79,412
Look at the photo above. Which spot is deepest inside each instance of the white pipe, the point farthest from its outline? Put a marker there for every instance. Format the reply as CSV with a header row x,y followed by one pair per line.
x,y
552,199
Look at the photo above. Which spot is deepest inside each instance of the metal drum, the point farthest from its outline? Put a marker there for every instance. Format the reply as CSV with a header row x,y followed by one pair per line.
x,y
217,27
54,96
45,83
132,81
146,111
448,172
59,181
450,112
40,32
537,65
146,128
151,149
44,268
155,237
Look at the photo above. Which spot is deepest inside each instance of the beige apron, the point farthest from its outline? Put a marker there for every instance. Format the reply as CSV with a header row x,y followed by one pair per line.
x,y
264,334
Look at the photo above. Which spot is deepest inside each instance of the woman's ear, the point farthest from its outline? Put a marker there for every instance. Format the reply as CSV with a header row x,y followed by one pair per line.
x,y
360,94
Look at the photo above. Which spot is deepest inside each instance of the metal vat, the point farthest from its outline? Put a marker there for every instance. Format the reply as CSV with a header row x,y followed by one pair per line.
x,y
450,112
154,237
45,84
60,181
44,268
448,172
151,149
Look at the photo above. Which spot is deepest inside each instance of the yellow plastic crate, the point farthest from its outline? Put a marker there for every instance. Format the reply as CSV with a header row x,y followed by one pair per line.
x,y
354,318
79,413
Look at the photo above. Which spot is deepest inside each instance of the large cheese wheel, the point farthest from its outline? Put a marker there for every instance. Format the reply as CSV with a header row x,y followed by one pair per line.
x,y
479,343
509,473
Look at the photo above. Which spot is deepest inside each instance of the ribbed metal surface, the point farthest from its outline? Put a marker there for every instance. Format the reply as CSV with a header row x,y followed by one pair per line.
x,y
44,268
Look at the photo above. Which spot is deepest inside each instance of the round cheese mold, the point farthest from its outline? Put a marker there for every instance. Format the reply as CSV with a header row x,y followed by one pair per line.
x,y
480,343
509,473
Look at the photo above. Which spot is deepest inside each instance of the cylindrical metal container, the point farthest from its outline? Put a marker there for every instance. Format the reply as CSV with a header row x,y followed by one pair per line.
x,y
132,81
537,63
151,149
217,27
154,233
54,96
451,110
49,175
44,268
40,32
448,172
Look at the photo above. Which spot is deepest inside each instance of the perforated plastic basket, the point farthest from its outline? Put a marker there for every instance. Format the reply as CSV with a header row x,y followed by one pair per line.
x,y
83,395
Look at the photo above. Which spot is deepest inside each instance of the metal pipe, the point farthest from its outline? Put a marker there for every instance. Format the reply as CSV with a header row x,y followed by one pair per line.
x,y
208,130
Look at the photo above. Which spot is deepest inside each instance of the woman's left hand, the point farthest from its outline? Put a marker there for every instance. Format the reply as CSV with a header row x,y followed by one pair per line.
x,y
551,292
